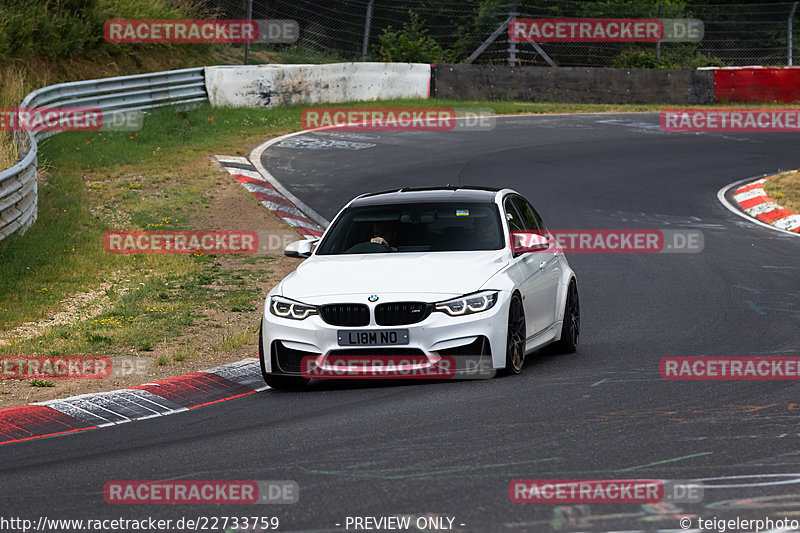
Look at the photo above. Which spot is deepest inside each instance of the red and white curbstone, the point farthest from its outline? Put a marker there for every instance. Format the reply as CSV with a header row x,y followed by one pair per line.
x,y
246,174
754,200
166,397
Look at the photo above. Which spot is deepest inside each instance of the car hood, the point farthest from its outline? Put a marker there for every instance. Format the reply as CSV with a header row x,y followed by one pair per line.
x,y
442,273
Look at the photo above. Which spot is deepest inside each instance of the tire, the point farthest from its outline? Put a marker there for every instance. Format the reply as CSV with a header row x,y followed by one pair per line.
x,y
515,338
571,327
277,381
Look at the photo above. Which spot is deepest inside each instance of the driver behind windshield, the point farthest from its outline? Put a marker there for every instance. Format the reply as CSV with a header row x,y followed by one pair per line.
x,y
486,232
384,233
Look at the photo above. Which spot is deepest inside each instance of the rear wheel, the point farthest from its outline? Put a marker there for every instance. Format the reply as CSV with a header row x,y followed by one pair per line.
x,y
515,343
276,381
571,327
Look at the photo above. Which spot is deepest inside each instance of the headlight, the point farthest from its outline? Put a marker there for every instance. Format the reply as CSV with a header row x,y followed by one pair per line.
x,y
468,304
285,308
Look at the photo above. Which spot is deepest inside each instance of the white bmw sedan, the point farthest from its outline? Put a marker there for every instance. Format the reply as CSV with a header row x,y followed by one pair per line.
x,y
426,273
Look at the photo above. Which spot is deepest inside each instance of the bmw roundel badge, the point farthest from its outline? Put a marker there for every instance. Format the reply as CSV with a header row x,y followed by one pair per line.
x,y
373,298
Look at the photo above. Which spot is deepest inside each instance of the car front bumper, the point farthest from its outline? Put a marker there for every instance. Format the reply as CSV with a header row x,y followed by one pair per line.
x,y
475,342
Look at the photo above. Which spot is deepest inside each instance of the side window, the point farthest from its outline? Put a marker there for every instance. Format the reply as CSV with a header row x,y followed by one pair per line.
x,y
515,222
529,218
536,216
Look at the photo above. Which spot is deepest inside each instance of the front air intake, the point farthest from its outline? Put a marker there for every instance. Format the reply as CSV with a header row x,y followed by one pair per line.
x,y
346,315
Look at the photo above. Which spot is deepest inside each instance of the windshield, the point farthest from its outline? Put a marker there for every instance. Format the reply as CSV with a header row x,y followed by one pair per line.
x,y
422,227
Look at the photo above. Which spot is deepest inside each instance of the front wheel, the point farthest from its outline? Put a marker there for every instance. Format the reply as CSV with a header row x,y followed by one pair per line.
x,y
272,380
515,343
571,326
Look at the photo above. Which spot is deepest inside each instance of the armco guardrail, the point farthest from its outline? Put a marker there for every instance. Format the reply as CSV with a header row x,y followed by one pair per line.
x,y
18,190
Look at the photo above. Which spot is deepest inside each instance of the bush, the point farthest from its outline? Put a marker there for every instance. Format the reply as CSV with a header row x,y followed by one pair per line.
x,y
703,60
63,28
682,58
48,29
638,59
411,44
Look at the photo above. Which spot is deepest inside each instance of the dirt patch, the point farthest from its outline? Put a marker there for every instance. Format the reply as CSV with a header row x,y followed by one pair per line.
x,y
234,207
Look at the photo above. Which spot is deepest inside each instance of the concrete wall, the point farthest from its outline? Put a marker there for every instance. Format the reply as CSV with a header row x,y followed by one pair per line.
x,y
573,84
279,85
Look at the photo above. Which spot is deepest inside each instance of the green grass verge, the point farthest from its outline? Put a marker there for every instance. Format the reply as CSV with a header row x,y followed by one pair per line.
x,y
121,180
785,189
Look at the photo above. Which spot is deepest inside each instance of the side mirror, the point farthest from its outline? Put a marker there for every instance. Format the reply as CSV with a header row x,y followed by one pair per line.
x,y
300,249
523,242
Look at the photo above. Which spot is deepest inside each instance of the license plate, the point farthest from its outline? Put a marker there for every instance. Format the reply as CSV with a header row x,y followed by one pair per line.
x,y
376,337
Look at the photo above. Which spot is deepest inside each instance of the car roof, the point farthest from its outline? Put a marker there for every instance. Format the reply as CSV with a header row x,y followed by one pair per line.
x,y
428,194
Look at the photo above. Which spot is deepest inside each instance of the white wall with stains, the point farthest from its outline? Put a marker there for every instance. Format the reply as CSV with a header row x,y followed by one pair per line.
x,y
278,85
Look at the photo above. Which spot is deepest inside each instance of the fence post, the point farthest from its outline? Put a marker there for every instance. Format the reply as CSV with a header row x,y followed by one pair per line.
x,y
367,24
791,16
247,45
512,49
658,44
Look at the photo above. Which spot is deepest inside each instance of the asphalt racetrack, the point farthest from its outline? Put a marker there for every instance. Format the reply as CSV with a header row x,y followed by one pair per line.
x,y
450,449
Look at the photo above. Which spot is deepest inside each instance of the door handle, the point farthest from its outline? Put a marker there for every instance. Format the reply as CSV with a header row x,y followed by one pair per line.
x,y
542,264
